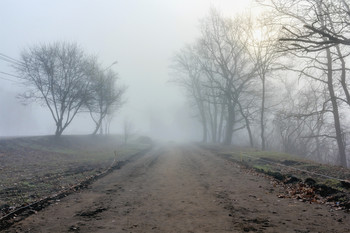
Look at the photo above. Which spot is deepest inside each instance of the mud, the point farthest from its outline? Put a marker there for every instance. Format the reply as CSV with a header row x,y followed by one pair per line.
x,y
183,189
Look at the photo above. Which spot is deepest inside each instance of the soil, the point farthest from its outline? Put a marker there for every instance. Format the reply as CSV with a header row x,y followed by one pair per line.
x,y
183,189
32,168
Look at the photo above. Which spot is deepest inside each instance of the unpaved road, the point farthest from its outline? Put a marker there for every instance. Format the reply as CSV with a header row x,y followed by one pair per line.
x,y
182,189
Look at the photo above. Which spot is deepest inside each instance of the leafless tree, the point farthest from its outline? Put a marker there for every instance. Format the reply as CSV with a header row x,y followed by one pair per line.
x,y
57,76
304,124
263,50
329,25
219,74
108,120
223,53
303,37
188,76
106,95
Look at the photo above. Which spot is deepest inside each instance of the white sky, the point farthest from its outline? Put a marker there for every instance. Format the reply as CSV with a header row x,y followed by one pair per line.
x,y
141,35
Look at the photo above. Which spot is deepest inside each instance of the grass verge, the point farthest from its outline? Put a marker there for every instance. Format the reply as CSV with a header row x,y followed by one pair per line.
x,y
328,181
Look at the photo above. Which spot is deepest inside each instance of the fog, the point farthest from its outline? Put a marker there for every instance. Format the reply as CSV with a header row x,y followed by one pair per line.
x,y
141,36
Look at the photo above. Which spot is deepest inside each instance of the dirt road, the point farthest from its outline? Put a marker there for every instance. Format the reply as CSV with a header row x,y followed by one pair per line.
x,y
182,189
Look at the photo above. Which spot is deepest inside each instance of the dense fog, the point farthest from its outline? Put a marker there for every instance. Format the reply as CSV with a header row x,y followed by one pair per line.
x,y
270,75
142,36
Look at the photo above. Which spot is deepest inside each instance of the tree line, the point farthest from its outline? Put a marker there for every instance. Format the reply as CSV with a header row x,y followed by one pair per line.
x,y
278,81
63,78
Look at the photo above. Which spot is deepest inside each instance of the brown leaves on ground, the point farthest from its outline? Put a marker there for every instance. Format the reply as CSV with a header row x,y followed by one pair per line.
x,y
309,191
301,192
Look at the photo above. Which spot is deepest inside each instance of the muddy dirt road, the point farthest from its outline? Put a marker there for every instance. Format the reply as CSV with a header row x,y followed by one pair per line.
x,y
182,189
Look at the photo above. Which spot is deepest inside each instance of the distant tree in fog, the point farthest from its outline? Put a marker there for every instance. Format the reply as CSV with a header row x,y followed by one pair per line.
x,y
105,95
227,73
57,75
264,54
188,76
218,74
302,124
128,130
225,60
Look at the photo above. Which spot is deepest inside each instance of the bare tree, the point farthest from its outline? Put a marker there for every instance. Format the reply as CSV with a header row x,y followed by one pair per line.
x,y
263,50
304,38
108,120
188,76
57,76
318,33
303,124
217,73
224,53
106,95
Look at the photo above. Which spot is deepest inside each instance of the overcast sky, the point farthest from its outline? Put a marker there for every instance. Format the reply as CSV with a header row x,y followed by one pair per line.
x,y
141,35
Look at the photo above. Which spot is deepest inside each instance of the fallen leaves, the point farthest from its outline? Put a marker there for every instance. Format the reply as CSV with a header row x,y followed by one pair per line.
x,y
307,191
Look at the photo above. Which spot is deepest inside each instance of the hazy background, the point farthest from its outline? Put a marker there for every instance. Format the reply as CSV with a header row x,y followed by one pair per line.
x,y
141,35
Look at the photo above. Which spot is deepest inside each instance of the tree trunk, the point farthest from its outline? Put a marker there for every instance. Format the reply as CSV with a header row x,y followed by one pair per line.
x,y
205,132
262,115
343,75
98,123
201,108
221,123
210,121
98,126
215,118
337,126
247,123
230,124
215,136
59,129
58,133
